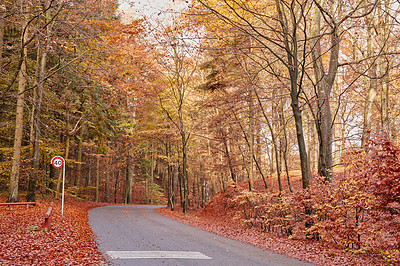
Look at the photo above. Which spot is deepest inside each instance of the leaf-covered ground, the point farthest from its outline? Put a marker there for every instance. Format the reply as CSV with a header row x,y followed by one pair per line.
x,y
219,219
70,242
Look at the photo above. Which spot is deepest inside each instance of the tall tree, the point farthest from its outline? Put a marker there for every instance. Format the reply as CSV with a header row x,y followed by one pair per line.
x,y
13,195
49,16
286,21
324,80
384,19
178,68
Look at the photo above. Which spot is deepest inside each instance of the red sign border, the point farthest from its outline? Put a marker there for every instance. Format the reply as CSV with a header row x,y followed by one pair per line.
x,y
57,157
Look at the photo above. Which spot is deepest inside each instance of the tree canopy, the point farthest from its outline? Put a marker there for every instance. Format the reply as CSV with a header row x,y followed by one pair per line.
x,y
282,97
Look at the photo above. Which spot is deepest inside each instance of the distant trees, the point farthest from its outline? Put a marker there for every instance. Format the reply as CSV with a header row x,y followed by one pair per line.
x,y
226,92
277,31
258,58
177,65
293,36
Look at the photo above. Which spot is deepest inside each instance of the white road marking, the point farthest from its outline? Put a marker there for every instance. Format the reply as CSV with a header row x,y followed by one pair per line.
x,y
157,255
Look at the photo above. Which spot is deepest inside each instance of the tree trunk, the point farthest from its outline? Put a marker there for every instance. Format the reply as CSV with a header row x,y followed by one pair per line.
x,y
305,169
107,185
31,196
275,152
384,67
171,203
171,178
251,142
184,141
52,178
324,83
372,82
19,123
89,175
32,114
258,159
66,153
276,141
129,181
291,46
325,161
96,196
311,142
185,179
285,146
116,186
79,159
385,100
152,177
179,173
146,192
228,156
2,25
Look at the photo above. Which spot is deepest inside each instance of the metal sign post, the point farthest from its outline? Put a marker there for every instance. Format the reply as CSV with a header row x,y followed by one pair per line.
x,y
59,162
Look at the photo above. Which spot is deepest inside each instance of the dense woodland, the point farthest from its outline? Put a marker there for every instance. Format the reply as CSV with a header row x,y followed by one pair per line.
x,y
295,100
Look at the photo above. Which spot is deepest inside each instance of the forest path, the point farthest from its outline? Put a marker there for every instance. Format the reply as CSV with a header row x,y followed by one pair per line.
x,y
137,235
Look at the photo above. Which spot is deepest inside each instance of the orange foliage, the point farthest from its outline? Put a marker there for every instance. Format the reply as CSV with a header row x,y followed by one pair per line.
x,y
357,213
24,242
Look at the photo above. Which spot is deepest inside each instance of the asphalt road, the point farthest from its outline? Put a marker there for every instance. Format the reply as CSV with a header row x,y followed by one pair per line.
x,y
137,235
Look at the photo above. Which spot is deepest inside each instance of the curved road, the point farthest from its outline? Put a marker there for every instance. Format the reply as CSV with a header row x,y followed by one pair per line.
x,y
137,235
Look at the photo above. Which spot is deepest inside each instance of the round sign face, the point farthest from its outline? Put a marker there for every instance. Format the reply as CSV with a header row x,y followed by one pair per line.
x,y
57,162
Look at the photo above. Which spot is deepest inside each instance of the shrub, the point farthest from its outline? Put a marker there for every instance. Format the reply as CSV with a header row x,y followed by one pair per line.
x,y
359,211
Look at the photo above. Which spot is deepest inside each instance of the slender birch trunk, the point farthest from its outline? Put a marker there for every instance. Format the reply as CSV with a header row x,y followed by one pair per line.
x,y
372,82
384,66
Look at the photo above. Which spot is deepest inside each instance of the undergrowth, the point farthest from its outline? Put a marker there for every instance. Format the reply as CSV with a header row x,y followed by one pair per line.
x,y
358,211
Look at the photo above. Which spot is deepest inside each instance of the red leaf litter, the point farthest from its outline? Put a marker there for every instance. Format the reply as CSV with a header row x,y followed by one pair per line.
x,y
23,241
218,218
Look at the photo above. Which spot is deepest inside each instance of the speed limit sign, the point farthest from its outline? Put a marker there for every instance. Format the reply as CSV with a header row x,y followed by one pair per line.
x,y
57,162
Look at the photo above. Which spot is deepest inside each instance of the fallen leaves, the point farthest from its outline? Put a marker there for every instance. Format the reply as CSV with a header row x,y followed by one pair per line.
x,y
219,217
69,242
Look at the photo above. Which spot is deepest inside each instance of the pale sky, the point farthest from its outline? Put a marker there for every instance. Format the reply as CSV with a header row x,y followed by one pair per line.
x,y
138,8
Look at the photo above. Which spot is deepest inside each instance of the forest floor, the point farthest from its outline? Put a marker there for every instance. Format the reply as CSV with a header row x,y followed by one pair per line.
x,y
23,241
218,219
70,242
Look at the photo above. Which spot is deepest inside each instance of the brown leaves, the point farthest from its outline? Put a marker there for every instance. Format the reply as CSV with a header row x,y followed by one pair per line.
x,y
24,242
266,220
